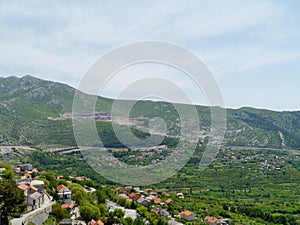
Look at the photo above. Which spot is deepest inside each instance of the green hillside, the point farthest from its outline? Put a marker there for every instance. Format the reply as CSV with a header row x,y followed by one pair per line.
x,y
32,113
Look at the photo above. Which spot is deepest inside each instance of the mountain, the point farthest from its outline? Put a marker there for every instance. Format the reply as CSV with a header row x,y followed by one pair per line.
x,y
38,112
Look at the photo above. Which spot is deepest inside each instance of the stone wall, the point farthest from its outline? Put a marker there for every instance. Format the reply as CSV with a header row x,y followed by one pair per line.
x,y
39,216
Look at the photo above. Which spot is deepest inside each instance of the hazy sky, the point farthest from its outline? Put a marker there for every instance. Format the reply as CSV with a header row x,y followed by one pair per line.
x,y
252,47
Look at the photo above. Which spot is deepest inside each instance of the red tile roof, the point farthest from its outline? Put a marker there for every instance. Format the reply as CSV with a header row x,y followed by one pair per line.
x,y
60,187
211,219
68,206
32,187
157,201
186,213
132,195
168,201
93,222
23,187
123,196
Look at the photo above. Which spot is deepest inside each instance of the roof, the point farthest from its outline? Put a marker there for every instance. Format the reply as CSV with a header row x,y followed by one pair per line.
x,y
186,213
140,200
118,188
23,187
68,206
93,222
37,182
132,195
169,200
62,187
123,196
211,219
32,187
166,193
174,222
66,222
35,195
157,201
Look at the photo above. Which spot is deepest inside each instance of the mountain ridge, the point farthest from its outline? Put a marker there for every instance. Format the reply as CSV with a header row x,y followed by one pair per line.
x,y
27,103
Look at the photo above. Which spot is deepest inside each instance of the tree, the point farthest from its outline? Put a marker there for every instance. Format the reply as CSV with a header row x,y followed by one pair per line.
x,y
50,176
12,200
160,221
58,212
129,221
89,212
103,210
119,213
101,196
139,221
8,174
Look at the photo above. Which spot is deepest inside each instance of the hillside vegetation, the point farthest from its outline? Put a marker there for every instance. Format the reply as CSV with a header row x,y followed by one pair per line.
x,y
32,113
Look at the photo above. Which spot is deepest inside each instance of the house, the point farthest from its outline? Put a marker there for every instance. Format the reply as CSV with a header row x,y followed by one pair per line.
x,y
180,195
174,222
27,175
124,196
23,187
59,177
64,194
137,189
187,215
153,193
35,200
157,201
163,212
39,184
25,167
169,201
31,199
133,195
42,172
68,207
148,190
82,178
166,194
143,201
127,188
119,190
212,220
93,222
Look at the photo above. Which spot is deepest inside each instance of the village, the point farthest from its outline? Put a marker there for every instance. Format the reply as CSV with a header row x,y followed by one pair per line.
x,y
129,202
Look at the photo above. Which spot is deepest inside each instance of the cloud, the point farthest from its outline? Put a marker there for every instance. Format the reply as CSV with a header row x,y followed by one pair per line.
x,y
59,41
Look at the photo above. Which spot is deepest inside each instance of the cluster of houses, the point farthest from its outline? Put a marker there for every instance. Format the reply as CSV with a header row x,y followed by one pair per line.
x,y
35,194
36,197
148,197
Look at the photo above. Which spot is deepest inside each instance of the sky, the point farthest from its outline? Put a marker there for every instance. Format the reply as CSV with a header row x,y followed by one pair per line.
x,y
252,47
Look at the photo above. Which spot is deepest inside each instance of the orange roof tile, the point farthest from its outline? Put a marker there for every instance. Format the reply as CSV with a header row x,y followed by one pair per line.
x,y
211,219
23,187
60,187
68,206
186,213
32,187
169,200
132,195
157,201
